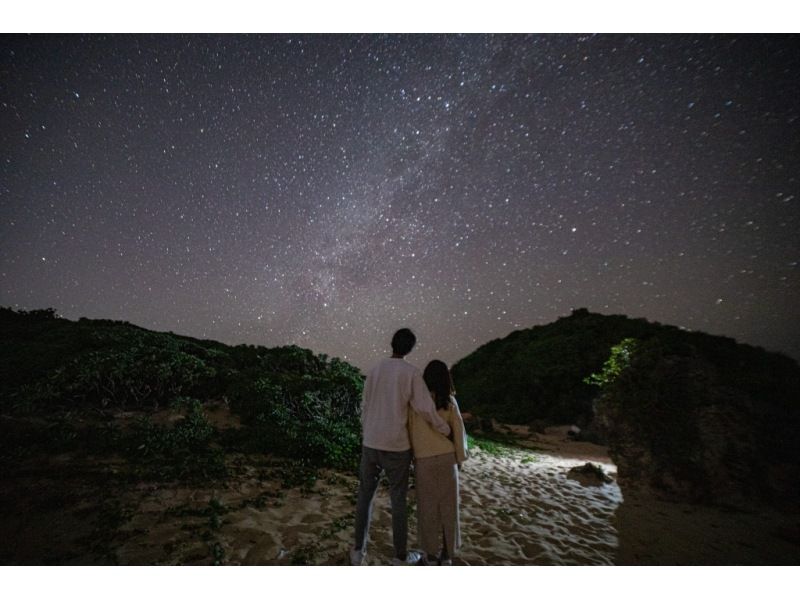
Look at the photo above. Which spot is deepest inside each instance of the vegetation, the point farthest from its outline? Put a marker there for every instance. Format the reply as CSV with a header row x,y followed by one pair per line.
x,y
685,408
292,402
497,444
492,447
702,417
537,374
181,451
304,407
557,372
688,415
619,360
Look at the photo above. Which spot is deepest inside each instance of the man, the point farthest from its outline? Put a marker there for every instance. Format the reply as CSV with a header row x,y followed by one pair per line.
x,y
391,386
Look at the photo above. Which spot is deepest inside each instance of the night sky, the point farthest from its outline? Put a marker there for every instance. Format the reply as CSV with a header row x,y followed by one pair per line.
x,y
326,190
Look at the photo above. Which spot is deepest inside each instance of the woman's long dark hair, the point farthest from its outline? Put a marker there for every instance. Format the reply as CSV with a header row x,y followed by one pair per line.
x,y
439,382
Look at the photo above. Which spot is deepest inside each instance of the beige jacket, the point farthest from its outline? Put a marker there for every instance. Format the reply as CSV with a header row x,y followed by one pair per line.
x,y
427,442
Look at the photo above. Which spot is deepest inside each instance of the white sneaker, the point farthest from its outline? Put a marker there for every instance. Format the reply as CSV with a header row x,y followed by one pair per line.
x,y
357,557
412,558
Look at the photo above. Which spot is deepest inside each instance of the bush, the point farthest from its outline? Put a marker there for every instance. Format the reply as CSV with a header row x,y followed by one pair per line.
x,y
618,361
292,402
141,375
302,416
181,451
49,362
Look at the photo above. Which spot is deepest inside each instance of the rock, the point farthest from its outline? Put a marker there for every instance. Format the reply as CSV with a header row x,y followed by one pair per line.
x,y
589,474
594,432
539,426
475,423
470,422
713,424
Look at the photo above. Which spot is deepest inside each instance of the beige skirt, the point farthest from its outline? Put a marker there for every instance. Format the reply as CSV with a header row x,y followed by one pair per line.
x,y
438,504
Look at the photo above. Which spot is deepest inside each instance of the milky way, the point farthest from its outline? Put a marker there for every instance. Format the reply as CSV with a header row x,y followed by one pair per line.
x,y
326,190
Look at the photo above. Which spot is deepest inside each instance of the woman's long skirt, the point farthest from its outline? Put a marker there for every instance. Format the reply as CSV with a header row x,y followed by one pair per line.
x,y
438,504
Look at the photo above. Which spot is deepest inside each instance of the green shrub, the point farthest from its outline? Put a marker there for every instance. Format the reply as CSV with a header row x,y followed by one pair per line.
x,y
292,402
183,450
140,375
48,362
618,361
320,426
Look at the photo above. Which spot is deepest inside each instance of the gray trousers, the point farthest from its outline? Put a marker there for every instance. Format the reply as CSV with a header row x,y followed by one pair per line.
x,y
396,465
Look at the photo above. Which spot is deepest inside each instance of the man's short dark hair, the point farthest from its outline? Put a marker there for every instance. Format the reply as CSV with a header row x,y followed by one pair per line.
x,y
403,341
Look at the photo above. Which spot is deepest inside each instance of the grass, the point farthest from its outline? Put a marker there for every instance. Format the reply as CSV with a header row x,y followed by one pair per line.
x,y
500,445
491,447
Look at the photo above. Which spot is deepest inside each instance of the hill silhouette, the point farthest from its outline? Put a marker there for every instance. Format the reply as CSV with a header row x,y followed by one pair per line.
x,y
291,401
688,415
121,444
685,414
536,375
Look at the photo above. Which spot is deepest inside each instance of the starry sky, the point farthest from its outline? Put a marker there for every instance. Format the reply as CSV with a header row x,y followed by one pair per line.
x,y
325,190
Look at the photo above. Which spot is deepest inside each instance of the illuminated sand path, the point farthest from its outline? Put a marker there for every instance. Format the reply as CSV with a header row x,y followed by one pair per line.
x,y
517,508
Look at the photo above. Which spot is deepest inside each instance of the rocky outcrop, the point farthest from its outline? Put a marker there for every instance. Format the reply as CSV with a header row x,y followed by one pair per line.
x,y
689,420
589,474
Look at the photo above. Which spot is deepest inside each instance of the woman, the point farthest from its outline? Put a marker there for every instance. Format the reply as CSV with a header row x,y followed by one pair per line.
x,y
437,460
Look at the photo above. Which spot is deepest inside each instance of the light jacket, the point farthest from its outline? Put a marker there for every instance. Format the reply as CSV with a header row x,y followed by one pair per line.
x,y
392,389
427,442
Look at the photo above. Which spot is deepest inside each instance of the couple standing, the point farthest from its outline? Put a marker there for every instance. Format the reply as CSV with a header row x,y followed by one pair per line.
x,y
406,414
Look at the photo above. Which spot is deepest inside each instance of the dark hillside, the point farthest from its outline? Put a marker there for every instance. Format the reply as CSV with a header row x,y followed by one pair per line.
x,y
701,418
687,415
291,401
537,374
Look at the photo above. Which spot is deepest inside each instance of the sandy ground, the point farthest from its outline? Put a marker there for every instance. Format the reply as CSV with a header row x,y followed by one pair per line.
x,y
520,507
654,532
517,508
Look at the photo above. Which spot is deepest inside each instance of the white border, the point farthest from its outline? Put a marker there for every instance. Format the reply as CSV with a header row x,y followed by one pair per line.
x,y
425,16
396,582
